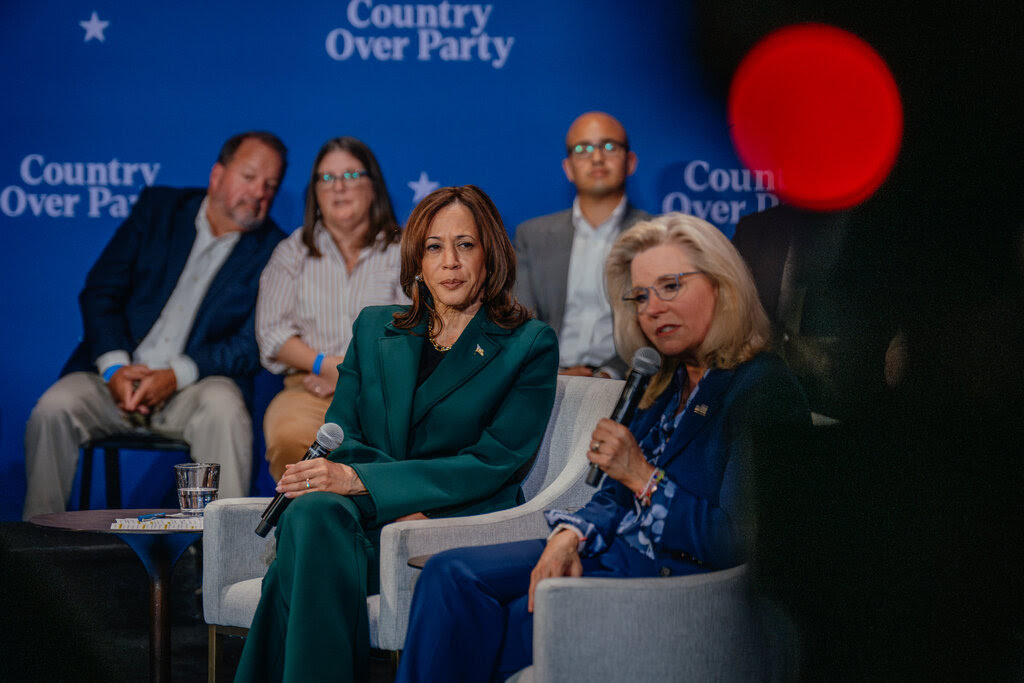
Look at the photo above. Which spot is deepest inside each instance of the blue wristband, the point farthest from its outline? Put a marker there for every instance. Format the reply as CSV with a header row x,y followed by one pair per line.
x,y
317,363
109,372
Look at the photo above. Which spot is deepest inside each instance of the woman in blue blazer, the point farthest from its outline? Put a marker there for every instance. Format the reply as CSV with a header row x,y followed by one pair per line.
x,y
442,403
672,502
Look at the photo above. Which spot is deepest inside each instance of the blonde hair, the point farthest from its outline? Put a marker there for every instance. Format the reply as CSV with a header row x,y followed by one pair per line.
x,y
739,329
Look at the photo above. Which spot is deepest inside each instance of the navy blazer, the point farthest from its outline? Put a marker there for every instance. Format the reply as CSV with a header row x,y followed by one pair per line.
x,y
708,458
130,283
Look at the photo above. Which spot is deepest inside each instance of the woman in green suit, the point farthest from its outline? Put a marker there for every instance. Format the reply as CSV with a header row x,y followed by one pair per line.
x,y
442,403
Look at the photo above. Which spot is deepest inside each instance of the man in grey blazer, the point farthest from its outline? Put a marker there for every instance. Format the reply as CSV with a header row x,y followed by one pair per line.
x,y
561,256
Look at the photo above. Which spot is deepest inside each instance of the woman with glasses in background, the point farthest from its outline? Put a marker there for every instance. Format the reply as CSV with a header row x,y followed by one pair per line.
x,y
345,257
672,502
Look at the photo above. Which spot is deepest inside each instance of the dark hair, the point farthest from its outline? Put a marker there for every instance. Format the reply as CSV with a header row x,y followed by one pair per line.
x,y
228,149
382,216
500,258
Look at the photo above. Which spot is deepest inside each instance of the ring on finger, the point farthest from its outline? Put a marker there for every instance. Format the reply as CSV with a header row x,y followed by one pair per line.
x,y
307,483
596,446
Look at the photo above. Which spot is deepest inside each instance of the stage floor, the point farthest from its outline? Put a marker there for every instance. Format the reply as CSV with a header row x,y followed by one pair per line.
x,y
75,607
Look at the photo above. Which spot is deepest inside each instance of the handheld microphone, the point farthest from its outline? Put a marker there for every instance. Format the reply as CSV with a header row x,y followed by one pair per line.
x,y
646,362
328,437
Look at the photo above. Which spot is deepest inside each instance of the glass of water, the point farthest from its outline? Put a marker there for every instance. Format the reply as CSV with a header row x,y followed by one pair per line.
x,y
197,486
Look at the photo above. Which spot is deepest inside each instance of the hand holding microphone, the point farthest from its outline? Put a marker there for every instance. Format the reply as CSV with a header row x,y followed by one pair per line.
x,y
328,438
646,362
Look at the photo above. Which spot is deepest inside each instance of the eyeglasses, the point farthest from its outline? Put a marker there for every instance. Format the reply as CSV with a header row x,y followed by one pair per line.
x,y
666,288
347,178
582,150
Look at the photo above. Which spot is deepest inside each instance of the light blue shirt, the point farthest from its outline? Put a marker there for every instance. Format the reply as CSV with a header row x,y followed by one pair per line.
x,y
586,337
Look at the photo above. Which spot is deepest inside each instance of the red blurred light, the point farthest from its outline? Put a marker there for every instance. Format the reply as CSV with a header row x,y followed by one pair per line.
x,y
818,106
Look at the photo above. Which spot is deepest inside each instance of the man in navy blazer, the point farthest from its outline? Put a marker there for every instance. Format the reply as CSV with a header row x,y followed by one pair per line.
x,y
167,312
561,255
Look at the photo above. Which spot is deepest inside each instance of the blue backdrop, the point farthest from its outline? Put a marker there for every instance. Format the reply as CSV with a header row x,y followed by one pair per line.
x,y
102,98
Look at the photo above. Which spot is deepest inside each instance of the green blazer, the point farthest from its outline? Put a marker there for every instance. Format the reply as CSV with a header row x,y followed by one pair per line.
x,y
453,445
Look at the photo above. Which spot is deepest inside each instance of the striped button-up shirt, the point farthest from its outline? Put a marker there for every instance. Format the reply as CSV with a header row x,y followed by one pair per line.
x,y
318,299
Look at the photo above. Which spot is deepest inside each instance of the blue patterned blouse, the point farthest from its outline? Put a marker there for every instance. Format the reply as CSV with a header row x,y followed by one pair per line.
x,y
642,526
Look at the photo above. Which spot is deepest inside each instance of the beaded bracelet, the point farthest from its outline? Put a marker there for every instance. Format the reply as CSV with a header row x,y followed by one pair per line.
x,y
652,485
317,363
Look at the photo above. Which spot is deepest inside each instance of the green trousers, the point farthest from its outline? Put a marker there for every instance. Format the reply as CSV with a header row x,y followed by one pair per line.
x,y
311,623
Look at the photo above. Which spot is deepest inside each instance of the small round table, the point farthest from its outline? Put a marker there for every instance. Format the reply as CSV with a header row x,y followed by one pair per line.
x,y
419,561
159,550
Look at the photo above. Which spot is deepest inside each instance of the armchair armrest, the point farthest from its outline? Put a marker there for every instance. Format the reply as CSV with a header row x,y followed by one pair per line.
x,y
579,405
697,627
232,551
402,540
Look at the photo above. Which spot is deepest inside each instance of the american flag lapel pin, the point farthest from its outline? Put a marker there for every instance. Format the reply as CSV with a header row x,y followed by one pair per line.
x,y
479,351
701,409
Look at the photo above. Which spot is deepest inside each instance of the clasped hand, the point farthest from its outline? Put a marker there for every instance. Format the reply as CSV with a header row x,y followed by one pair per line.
x,y
137,388
318,386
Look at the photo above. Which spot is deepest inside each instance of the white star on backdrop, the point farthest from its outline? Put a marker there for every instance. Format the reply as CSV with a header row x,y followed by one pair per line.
x,y
94,28
422,187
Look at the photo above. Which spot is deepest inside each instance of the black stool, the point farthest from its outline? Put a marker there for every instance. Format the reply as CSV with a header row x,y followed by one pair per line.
x,y
112,446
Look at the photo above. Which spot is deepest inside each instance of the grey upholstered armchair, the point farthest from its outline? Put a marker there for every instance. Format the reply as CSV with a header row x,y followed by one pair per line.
x,y
702,627
235,558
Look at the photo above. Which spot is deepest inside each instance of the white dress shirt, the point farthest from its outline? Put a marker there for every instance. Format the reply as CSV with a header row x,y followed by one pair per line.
x,y
318,299
164,344
586,337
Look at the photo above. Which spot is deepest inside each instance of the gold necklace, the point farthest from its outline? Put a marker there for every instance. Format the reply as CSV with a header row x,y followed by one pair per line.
x,y
430,336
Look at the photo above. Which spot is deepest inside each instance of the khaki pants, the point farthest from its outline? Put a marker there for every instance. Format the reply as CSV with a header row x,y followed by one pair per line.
x,y
291,422
210,415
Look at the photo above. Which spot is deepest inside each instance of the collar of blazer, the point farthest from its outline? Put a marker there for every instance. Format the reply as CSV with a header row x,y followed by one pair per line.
x,y
239,261
400,350
241,258
701,412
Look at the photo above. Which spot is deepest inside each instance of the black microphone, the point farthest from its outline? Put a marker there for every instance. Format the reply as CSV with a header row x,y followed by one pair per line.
x,y
328,437
646,362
